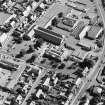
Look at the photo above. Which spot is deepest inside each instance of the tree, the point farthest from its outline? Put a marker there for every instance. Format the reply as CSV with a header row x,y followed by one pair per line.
x,y
100,24
13,102
16,34
39,9
52,62
33,96
90,90
78,73
19,91
49,27
38,43
91,0
61,66
0,44
95,10
26,38
103,72
82,103
5,89
30,50
17,40
54,22
60,15
21,54
54,66
87,17
99,43
103,3
32,59
94,100
86,63
43,61
36,0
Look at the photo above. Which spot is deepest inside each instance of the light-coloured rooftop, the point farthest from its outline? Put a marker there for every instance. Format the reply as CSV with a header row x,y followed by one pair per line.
x,y
3,17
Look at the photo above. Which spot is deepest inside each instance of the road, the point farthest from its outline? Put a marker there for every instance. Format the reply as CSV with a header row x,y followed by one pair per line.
x,y
92,77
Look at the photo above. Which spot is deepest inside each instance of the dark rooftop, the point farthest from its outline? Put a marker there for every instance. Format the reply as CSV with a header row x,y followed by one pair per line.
x,y
50,32
48,35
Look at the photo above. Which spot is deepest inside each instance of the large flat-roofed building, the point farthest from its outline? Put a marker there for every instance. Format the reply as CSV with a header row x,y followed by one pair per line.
x,y
54,52
78,28
87,44
79,55
48,35
3,17
94,32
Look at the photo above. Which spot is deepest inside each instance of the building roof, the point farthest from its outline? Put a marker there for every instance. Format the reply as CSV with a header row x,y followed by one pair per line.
x,y
46,83
3,37
39,93
18,6
3,17
93,32
83,33
78,14
78,82
69,22
31,33
78,28
86,43
48,35
54,52
50,32
64,27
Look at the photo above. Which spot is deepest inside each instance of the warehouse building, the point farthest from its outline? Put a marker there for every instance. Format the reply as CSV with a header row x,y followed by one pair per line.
x,y
94,32
48,35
